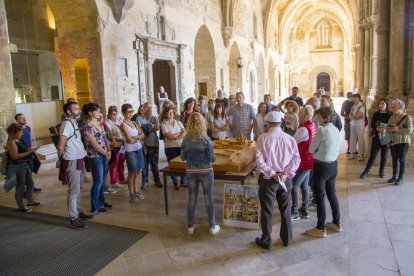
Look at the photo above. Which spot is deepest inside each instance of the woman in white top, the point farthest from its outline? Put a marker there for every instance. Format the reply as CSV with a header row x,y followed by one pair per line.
x,y
134,156
174,133
357,117
259,124
116,168
219,124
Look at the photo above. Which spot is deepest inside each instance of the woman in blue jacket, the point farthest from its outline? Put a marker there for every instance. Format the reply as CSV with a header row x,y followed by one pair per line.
x,y
197,150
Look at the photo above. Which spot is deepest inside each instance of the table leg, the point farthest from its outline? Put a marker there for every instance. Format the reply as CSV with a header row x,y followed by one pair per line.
x,y
165,193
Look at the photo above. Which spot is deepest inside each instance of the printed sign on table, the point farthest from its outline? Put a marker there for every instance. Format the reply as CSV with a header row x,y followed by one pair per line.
x,y
241,206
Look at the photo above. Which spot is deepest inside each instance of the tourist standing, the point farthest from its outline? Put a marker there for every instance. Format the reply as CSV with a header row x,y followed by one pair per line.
x,y
219,124
303,137
277,168
133,148
293,97
162,95
99,152
345,111
291,117
188,109
243,117
116,168
197,151
401,126
357,116
221,99
267,99
19,172
71,153
378,121
174,133
150,125
203,105
259,124
326,101
325,150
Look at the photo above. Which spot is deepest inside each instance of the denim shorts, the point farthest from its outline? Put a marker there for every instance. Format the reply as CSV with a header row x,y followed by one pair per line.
x,y
135,160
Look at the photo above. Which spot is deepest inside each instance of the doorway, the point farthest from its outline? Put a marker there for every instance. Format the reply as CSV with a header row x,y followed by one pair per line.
x,y
83,90
164,75
323,80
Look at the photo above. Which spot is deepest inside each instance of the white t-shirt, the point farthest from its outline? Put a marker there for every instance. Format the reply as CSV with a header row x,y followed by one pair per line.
x,y
134,146
175,129
74,148
260,123
358,108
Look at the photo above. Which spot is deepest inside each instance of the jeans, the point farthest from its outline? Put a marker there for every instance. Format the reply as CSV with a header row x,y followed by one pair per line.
x,y
375,148
172,153
116,169
399,155
207,181
99,167
269,189
151,159
301,180
24,179
324,178
76,180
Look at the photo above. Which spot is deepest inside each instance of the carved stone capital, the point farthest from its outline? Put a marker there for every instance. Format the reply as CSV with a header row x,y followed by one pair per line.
x,y
227,33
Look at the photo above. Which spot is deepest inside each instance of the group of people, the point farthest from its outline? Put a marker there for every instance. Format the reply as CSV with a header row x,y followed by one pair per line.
x,y
297,148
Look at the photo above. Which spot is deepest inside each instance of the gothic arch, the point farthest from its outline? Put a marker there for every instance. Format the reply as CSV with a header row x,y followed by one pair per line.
x,y
251,77
320,69
204,63
235,78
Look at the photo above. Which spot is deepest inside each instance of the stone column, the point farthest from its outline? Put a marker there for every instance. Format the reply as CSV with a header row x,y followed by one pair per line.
x,y
367,46
396,49
7,103
149,95
361,52
374,56
382,31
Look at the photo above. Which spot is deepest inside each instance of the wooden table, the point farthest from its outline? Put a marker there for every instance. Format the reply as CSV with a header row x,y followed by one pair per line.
x,y
232,176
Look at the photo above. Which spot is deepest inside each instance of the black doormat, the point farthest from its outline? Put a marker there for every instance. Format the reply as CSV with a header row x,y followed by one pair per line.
x,y
42,244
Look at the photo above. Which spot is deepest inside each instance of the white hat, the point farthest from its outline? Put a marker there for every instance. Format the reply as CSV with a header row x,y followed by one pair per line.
x,y
273,117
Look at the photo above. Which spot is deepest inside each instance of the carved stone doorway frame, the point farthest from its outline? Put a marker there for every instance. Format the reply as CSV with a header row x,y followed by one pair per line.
x,y
154,49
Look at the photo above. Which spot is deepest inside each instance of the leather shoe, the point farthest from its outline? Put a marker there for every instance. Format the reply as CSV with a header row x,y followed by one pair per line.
x,y
262,244
84,216
107,205
391,180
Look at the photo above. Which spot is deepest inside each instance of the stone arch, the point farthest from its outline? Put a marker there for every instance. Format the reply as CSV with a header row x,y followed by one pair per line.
x,y
323,69
204,63
234,70
251,77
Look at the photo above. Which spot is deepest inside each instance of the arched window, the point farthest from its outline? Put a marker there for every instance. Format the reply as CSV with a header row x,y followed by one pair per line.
x,y
324,35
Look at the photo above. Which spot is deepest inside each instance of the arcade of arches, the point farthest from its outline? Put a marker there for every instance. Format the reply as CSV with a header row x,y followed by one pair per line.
x,y
123,50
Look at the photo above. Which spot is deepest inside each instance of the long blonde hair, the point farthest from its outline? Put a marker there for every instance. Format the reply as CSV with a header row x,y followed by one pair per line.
x,y
196,126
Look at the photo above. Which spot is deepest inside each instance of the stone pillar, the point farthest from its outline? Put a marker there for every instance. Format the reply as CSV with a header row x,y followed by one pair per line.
x,y
7,103
361,52
367,46
382,31
149,95
396,49
374,57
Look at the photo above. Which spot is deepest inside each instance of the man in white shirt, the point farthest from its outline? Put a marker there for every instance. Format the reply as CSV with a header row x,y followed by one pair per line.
x,y
72,167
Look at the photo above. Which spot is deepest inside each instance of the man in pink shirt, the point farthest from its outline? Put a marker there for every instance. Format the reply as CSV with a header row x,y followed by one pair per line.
x,y
277,159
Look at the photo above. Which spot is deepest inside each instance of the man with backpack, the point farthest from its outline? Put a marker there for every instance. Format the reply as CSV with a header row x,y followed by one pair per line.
x,y
71,163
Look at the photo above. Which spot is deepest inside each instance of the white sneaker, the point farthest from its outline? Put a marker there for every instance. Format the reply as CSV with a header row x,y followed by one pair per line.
x,y
361,158
191,230
214,230
118,186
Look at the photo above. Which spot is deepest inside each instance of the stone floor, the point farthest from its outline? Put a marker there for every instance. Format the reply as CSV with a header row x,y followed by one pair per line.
x,y
378,236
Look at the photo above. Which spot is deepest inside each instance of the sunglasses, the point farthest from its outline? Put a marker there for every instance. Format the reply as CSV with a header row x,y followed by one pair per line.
x,y
130,111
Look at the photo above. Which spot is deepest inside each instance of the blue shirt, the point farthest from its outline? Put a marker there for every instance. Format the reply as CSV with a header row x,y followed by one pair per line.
x,y
27,137
325,145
